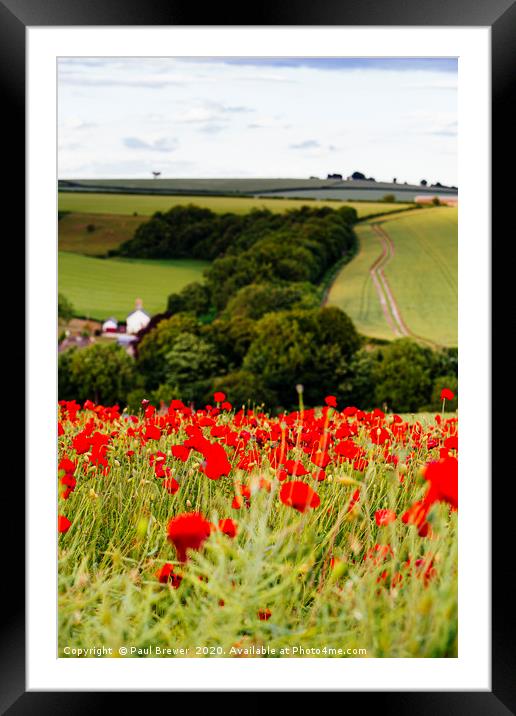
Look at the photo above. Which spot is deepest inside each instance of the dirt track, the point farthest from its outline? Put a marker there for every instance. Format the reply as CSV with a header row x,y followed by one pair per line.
x,y
388,303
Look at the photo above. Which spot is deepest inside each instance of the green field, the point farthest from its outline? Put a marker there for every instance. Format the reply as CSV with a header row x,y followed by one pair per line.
x,y
96,234
422,275
99,288
144,204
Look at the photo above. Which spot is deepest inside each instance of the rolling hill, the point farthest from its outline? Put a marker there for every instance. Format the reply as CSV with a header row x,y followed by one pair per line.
x,y
403,280
99,288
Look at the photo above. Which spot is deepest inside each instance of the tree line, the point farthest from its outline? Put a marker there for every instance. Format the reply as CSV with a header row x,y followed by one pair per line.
x,y
254,327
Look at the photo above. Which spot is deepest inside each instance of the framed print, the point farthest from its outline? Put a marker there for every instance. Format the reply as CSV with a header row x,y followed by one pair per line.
x,y
265,248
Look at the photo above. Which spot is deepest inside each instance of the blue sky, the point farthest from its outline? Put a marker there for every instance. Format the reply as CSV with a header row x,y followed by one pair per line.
x,y
258,117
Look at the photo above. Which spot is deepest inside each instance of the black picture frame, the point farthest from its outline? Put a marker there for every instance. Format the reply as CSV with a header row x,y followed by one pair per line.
x,y
500,16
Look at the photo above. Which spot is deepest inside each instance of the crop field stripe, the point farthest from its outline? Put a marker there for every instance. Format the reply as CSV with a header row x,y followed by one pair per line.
x,y
148,204
430,245
99,288
354,291
413,279
400,327
377,277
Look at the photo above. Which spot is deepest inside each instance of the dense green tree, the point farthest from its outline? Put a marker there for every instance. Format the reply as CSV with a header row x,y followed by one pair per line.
x,y
243,388
258,247
444,381
255,300
193,298
189,361
359,387
312,347
102,373
403,376
65,382
154,346
446,362
231,339
65,309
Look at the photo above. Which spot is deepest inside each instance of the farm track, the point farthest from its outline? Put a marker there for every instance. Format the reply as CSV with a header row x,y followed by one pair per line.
x,y
388,302
371,284
379,281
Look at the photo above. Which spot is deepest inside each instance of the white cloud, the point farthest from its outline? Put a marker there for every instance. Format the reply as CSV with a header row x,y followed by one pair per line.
x,y
307,144
124,116
157,145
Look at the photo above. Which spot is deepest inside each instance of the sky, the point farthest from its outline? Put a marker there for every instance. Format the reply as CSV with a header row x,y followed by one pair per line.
x,y
258,117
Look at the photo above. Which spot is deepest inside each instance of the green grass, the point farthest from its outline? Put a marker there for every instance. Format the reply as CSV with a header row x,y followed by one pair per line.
x,y
110,230
90,203
99,288
354,292
422,276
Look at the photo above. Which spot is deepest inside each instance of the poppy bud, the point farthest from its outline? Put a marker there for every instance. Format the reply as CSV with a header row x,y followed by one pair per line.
x,y
141,527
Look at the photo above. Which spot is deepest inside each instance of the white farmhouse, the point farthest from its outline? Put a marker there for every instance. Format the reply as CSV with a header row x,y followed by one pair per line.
x,y
138,319
110,326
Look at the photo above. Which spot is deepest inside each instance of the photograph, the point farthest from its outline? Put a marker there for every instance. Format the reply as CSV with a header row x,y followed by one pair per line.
x,y
257,340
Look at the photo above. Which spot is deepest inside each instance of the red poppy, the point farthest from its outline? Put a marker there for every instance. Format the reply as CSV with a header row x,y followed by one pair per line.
x,y
243,497
355,497
228,527
452,443
66,465
416,515
379,436
319,475
188,531
63,524
378,554
348,449
219,396
447,394
166,574
425,569
295,468
299,495
152,432
384,517
171,485
443,477
321,459
216,461
81,443
331,401
69,482
361,464
264,614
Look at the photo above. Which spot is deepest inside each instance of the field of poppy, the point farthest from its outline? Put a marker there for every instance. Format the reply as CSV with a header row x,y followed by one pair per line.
x,y
221,532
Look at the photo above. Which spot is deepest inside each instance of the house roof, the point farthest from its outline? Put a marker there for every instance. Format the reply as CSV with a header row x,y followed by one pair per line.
x,y
138,310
